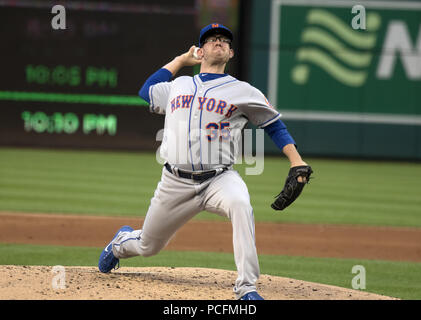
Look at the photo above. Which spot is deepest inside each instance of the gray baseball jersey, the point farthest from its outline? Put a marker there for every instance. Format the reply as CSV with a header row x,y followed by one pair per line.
x,y
203,120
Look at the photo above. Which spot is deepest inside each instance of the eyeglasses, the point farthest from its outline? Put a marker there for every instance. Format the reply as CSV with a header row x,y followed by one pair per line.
x,y
214,39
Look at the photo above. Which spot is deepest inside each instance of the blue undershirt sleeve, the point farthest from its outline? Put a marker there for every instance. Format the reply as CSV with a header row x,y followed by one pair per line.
x,y
279,134
162,75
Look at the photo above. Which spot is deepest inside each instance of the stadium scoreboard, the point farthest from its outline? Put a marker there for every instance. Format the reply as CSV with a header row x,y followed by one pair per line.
x,y
78,86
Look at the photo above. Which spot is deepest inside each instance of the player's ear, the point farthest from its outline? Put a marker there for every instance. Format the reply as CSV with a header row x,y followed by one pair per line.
x,y
231,53
200,52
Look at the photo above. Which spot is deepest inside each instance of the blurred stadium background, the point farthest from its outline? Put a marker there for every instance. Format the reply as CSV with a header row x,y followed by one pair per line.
x,y
77,87
351,99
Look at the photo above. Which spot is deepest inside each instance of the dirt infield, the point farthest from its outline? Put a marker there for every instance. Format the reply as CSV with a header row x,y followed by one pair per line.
x,y
31,282
336,241
86,283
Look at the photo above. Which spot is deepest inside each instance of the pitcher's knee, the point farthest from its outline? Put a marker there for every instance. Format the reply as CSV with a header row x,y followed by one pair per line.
x,y
152,248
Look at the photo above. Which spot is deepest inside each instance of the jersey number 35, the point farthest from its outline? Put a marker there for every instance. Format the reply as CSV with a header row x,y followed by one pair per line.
x,y
220,131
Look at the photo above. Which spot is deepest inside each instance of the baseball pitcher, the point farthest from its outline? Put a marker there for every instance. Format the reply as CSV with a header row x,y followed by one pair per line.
x,y
204,116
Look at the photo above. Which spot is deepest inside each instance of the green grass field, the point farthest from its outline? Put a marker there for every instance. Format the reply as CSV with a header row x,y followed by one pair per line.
x,y
122,184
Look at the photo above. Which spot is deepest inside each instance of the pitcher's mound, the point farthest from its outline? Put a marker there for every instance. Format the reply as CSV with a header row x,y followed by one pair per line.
x,y
158,283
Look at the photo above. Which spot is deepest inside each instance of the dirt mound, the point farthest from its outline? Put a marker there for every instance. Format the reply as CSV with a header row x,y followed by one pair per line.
x,y
87,283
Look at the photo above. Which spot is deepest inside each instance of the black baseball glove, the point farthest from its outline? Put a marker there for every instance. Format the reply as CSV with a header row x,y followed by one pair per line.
x,y
292,188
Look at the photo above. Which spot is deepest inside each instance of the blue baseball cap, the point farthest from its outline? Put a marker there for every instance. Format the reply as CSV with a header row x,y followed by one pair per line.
x,y
212,29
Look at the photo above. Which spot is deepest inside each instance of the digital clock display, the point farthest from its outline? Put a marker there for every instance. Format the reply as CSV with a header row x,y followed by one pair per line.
x,y
73,76
79,86
69,123
107,47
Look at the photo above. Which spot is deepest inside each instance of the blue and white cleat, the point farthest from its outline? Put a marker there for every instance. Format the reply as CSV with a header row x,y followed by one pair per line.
x,y
252,296
107,261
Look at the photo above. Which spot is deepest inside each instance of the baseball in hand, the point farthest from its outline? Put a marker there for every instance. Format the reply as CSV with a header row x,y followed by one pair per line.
x,y
195,53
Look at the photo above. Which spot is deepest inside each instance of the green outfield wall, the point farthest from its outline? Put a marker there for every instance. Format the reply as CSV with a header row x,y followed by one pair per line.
x,y
347,83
